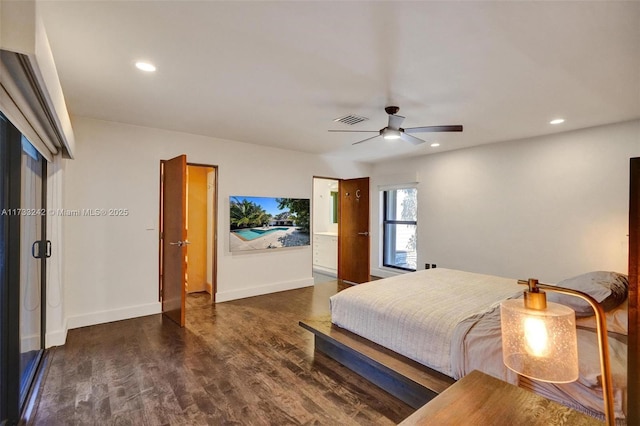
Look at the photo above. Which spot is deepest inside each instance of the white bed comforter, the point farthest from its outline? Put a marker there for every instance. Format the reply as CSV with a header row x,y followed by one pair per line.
x,y
422,314
450,321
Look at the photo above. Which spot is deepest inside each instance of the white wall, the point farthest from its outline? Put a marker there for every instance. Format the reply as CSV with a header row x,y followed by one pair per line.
x,y
111,263
549,207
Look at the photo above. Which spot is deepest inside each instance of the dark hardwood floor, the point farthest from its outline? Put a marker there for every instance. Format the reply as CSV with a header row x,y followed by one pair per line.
x,y
240,362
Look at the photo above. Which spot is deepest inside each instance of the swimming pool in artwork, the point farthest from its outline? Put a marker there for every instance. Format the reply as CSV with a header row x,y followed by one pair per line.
x,y
249,234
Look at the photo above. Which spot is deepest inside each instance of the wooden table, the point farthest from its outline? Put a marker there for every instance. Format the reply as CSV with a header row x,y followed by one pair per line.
x,y
480,400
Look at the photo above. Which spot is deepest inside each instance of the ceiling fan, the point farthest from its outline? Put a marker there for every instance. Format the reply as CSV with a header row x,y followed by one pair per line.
x,y
394,131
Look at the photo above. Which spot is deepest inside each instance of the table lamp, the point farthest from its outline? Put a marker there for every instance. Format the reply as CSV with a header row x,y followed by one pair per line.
x,y
539,339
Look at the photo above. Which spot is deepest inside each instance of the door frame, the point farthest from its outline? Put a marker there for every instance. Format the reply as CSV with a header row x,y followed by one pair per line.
x,y
313,178
214,251
15,402
214,218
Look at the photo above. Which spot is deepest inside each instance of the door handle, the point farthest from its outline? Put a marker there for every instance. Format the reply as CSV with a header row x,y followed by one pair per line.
x,y
366,234
33,249
37,252
181,243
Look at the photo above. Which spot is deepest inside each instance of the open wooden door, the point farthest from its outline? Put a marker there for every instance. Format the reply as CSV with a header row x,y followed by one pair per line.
x,y
353,231
174,238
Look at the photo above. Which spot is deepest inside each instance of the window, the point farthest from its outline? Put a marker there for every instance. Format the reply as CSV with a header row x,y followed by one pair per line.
x,y
400,224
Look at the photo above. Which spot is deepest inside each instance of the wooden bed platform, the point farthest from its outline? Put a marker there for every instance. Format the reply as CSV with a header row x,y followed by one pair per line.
x,y
404,378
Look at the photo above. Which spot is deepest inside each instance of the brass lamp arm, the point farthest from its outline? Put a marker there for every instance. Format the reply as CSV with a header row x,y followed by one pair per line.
x,y
603,341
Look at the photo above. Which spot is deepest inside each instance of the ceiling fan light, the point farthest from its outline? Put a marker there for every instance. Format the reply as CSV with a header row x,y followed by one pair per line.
x,y
391,134
145,66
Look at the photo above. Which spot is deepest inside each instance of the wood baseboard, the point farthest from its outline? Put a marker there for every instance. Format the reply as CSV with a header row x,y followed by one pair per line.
x,y
404,378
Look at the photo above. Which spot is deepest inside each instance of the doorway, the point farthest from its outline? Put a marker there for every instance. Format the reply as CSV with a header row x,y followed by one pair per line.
x,y
200,223
188,235
325,229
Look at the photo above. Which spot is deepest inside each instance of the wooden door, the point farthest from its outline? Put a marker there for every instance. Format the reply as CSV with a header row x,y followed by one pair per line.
x,y
174,228
353,231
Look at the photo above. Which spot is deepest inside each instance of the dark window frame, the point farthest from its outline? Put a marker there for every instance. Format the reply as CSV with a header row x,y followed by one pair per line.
x,y
386,221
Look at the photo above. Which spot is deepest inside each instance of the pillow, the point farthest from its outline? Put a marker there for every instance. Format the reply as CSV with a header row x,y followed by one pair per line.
x,y
617,320
608,288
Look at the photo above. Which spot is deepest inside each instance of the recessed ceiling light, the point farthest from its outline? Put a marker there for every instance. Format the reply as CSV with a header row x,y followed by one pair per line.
x,y
557,121
435,145
145,66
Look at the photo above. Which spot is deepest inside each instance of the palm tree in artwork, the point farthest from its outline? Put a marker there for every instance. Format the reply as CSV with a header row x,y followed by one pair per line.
x,y
298,211
246,214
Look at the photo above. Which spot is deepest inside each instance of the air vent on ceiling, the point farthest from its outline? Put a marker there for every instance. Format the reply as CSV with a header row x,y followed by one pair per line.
x,y
350,119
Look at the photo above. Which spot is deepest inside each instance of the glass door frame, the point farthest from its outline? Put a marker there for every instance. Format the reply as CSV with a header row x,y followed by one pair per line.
x,y
12,401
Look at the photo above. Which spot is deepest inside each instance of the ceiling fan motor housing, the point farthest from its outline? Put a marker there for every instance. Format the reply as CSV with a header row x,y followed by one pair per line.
x,y
392,110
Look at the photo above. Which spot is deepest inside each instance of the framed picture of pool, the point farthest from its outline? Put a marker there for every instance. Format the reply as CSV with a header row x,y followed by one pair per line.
x,y
258,223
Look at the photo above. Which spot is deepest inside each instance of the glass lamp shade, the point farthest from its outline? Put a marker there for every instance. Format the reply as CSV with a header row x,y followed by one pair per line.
x,y
540,344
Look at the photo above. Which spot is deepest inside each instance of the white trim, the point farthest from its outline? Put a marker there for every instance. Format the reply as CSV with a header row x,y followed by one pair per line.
x,y
113,315
56,333
387,272
263,289
56,338
325,271
406,185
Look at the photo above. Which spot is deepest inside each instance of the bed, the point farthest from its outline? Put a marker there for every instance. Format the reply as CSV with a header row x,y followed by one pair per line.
x,y
449,321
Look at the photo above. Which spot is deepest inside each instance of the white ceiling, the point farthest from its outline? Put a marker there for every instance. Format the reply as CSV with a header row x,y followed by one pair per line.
x,y
278,73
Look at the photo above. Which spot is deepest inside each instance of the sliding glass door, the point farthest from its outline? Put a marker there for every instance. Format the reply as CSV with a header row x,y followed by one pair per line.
x,y
32,255
4,318
23,252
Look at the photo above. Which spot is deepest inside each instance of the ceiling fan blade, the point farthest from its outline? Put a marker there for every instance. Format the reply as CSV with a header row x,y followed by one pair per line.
x,y
368,139
395,121
411,139
452,128
356,131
